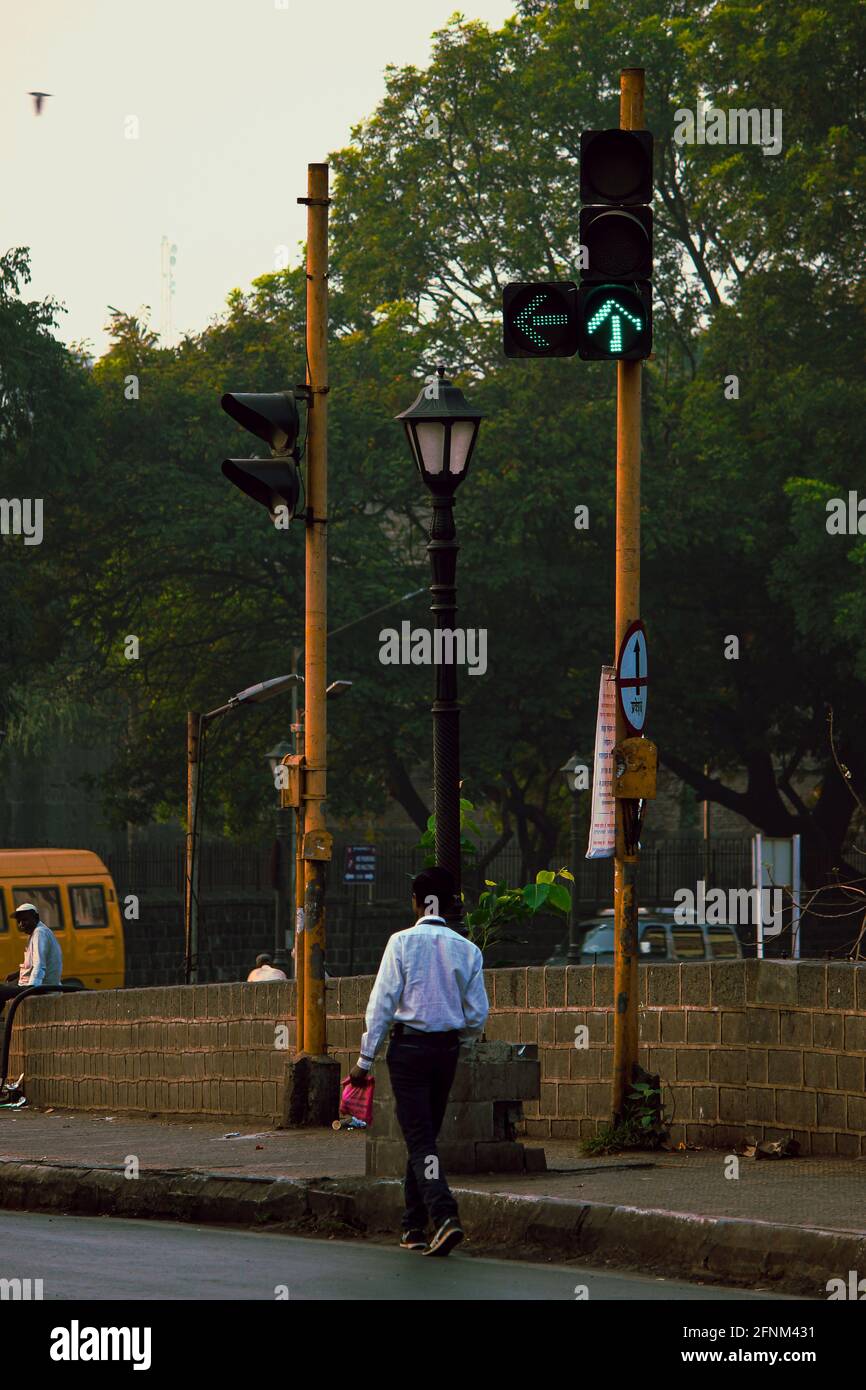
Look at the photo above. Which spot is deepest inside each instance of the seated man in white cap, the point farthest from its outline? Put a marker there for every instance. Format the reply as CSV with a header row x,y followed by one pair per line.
x,y
43,958
265,969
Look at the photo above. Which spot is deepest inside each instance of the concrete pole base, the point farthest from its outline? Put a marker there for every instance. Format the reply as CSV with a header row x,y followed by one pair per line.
x,y
312,1094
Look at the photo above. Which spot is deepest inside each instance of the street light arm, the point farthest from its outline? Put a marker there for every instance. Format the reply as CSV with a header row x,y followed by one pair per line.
x,y
265,690
391,604
255,695
215,713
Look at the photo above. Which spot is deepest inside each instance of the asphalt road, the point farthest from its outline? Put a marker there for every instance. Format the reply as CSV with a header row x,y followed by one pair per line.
x,y
79,1257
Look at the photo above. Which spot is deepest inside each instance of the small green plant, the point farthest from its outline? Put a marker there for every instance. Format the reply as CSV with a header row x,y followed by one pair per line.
x,y
643,1125
468,850
500,909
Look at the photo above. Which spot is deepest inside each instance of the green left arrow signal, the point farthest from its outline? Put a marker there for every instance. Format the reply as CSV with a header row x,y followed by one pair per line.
x,y
529,321
539,318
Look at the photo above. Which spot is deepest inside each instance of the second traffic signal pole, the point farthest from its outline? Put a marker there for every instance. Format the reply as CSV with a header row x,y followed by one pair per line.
x,y
628,419
315,849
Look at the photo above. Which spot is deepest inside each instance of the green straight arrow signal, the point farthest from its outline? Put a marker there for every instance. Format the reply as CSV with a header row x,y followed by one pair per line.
x,y
612,309
529,321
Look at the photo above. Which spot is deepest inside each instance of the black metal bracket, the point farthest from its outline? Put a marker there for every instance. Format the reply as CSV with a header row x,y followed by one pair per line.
x,y
13,1009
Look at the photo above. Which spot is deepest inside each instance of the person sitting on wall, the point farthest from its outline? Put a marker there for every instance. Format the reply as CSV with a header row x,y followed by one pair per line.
x,y
43,958
265,970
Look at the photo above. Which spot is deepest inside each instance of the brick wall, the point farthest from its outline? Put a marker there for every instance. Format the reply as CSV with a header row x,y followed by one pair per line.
x,y
186,1050
744,1048
761,1048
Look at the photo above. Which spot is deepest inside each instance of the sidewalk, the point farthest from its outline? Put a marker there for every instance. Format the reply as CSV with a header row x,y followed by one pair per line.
x,y
788,1224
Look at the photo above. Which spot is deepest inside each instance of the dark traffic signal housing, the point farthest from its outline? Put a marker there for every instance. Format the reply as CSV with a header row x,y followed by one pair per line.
x,y
615,321
616,166
539,319
616,237
618,241
272,416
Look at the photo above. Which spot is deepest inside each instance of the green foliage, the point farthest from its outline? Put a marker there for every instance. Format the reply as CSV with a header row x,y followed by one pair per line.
x,y
757,277
469,849
643,1125
47,421
501,909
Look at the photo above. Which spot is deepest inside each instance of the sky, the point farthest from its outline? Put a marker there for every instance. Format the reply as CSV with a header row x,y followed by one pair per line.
x,y
192,120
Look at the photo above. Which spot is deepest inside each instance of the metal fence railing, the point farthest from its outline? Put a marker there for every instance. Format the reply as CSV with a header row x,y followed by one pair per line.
x,y
665,866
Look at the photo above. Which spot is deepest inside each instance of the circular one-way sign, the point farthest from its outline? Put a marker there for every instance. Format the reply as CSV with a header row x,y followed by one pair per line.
x,y
632,677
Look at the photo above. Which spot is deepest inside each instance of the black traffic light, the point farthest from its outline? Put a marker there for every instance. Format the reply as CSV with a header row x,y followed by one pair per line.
x,y
616,237
273,416
539,319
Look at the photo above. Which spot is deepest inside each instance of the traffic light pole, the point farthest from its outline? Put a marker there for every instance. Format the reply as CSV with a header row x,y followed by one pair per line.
x,y
628,420
315,848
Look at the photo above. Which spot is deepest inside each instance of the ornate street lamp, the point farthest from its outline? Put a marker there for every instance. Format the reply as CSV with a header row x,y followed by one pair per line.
x,y
442,427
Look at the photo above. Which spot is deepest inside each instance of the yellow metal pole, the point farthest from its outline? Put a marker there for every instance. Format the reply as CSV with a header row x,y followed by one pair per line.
x,y
628,414
315,840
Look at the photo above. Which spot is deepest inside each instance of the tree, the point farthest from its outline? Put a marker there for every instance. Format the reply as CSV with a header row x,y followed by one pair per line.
x,y
463,178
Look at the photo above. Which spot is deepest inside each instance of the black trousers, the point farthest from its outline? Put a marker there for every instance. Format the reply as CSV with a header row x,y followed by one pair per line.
x,y
9,992
421,1067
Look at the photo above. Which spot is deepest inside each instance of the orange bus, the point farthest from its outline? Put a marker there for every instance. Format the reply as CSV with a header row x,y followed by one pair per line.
x,y
77,899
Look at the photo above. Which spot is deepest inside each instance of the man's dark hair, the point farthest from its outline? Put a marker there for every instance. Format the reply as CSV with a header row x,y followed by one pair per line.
x,y
264,959
436,884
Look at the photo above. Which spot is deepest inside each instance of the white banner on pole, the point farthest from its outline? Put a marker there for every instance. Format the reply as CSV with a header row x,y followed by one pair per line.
x,y
602,830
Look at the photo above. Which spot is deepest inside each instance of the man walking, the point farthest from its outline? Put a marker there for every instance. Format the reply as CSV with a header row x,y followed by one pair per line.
x,y
43,958
431,987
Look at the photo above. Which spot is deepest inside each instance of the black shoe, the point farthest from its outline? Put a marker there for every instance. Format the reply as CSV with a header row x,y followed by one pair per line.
x,y
413,1240
450,1233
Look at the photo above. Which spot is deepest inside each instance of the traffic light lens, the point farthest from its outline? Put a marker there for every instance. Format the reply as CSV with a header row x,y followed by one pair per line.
x,y
615,322
539,320
613,313
617,242
613,167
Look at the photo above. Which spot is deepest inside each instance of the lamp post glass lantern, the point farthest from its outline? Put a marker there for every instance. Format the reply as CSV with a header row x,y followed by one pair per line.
x,y
442,428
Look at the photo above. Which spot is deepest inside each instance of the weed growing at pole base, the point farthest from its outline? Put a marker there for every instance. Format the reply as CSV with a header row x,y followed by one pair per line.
x,y
644,1124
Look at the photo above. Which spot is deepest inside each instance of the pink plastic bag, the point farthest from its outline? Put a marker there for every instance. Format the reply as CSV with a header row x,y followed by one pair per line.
x,y
358,1100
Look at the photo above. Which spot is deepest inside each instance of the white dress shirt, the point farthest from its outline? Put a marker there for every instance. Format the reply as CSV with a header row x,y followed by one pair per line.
x,y
43,959
430,979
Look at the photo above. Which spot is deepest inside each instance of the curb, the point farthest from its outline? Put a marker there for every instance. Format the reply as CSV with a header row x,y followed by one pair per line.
x,y
794,1260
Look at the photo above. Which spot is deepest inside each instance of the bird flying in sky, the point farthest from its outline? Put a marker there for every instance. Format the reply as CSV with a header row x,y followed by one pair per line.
x,y
38,98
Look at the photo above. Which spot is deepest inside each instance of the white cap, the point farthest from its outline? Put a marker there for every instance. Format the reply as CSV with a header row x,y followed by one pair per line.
x,y
26,907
